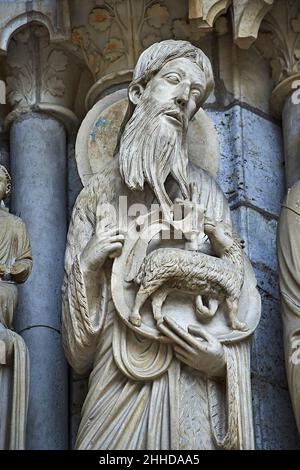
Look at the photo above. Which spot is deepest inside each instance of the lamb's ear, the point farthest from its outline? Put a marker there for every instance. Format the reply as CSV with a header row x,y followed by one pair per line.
x,y
238,240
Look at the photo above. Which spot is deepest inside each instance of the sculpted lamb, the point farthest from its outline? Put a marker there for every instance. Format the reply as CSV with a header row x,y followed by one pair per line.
x,y
218,278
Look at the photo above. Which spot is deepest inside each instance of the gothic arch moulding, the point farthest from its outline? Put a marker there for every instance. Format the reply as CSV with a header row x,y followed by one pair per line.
x,y
53,15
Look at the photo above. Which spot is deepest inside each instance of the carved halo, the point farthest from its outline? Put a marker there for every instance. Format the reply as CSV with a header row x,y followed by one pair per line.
x,y
97,137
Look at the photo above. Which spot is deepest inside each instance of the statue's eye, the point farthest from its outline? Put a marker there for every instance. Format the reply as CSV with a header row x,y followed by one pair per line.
x,y
173,78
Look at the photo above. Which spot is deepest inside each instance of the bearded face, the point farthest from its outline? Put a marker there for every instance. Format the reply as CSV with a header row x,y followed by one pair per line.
x,y
152,148
154,142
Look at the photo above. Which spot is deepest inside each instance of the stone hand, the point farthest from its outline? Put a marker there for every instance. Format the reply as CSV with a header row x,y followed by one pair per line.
x,y
101,246
195,348
16,269
189,208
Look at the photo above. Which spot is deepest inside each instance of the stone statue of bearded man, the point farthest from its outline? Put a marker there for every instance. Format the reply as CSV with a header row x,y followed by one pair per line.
x,y
186,387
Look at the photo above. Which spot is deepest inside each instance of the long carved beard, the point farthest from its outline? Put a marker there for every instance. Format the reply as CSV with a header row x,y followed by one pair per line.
x,y
151,150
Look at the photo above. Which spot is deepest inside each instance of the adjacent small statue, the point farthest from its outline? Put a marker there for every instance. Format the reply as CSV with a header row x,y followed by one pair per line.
x,y
177,377
15,267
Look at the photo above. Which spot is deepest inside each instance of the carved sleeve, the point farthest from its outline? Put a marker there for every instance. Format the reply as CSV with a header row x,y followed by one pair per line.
x,y
231,417
81,325
81,330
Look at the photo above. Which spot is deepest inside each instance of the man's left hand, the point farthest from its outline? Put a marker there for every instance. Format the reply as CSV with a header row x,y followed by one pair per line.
x,y
196,347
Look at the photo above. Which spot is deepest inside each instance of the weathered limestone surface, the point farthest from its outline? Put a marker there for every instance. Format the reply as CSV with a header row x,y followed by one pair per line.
x,y
254,168
251,158
241,80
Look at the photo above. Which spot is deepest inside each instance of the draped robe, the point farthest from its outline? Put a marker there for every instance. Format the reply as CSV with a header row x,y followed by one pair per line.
x,y
139,397
15,254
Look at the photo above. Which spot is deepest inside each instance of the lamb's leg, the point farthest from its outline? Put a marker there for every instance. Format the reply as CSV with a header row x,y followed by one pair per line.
x,y
141,297
158,299
201,311
213,305
232,308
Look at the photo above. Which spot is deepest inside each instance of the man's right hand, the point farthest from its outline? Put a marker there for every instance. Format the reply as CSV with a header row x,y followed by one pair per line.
x,y
101,245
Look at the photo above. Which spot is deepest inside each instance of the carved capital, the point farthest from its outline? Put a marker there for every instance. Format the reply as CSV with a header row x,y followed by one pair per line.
x,y
40,76
116,32
279,42
112,35
53,15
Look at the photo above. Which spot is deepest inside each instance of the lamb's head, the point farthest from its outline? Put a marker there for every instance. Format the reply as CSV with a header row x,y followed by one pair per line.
x,y
220,236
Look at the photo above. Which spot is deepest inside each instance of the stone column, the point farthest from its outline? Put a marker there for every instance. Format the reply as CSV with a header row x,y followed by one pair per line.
x,y
38,169
38,156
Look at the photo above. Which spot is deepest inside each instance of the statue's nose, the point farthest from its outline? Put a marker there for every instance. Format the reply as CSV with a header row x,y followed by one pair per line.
x,y
182,96
181,102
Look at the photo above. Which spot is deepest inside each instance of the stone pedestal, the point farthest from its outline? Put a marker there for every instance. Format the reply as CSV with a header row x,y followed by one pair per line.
x,y
38,168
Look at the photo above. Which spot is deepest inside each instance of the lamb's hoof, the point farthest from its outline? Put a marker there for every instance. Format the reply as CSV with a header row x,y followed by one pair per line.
x,y
159,320
135,320
204,313
239,325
